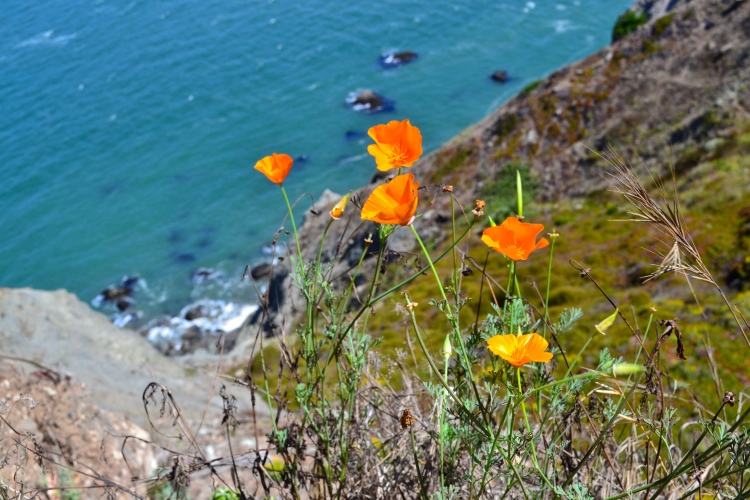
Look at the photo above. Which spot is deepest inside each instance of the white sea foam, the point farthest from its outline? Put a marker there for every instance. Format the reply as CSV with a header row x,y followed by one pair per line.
x,y
351,159
216,317
562,25
46,38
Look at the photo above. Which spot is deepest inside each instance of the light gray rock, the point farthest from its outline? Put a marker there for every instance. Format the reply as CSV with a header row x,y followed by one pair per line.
x,y
59,331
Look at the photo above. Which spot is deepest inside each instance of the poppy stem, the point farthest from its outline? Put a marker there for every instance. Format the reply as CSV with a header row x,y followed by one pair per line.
x,y
486,432
528,429
291,218
453,319
422,489
549,281
432,266
441,434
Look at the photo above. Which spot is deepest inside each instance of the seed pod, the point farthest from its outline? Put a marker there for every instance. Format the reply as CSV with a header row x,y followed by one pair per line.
x,y
407,418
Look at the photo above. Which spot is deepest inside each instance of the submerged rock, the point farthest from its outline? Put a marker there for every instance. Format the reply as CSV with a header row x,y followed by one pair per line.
x,y
395,59
203,274
120,295
369,101
500,76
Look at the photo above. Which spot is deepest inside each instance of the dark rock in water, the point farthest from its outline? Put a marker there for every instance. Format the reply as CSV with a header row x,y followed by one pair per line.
x,y
116,293
351,135
204,274
395,59
302,159
195,312
130,281
369,101
261,271
120,295
276,291
500,76
184,258
176,236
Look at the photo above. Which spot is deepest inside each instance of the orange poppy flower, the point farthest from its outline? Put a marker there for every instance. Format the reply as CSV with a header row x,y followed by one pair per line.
x,y
521,349
397,144
393,203
275,167
514,239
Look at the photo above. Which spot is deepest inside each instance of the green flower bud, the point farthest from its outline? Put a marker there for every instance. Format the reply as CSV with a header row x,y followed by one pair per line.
x,y
607,322
627,369
447,348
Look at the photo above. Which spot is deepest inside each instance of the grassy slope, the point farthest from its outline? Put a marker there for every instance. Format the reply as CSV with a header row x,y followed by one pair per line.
x,y
618,253
672,93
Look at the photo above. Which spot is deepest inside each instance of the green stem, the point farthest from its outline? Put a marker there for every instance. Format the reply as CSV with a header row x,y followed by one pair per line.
x,y
453,236
291,218
528,429
492,447
422,489
440,433
424,269
453,319
436,371
373,285
340,335
432,266
549,281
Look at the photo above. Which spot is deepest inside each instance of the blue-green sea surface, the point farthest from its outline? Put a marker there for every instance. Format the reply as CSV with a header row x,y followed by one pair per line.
x,y
128,130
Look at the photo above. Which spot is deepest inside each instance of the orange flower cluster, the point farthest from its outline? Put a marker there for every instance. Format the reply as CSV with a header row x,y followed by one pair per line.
x,y
514,239
397,144
521,349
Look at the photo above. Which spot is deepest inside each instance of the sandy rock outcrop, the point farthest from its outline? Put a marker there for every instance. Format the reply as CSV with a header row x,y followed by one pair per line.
x,y
59,331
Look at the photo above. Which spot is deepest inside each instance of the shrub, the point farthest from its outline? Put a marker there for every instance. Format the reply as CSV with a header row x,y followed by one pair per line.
x,y
627,23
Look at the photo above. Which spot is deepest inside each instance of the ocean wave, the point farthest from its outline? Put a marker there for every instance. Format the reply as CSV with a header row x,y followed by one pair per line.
x,y
562,25
197,325
47,38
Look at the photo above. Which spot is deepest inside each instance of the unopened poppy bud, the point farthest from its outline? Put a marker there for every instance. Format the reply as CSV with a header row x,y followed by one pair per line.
x,y
519,194
607,322
447,348
492,222
627,369
338,209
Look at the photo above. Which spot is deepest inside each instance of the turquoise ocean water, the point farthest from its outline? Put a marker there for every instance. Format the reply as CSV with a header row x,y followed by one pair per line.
x,y
128,130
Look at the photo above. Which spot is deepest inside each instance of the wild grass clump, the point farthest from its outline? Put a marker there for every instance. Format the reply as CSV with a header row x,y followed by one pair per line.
x,y
497,408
